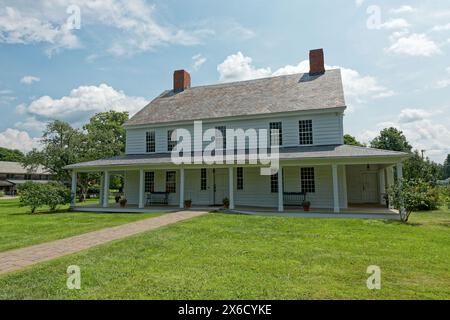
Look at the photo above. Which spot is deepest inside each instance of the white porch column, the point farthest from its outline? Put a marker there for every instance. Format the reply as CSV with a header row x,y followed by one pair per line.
x,y
344,184
141,188
335,188
280,189
106,189
381,175
73,190
231,186
400,181
102,183
181,188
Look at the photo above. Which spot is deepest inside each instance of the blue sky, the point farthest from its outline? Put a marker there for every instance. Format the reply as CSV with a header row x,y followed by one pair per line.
x,y
394,57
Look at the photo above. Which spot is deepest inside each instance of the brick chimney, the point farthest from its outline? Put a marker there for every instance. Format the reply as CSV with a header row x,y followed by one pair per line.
x,y
181,80
316,62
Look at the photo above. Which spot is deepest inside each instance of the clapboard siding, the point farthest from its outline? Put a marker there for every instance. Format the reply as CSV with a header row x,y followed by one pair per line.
x,y
327,130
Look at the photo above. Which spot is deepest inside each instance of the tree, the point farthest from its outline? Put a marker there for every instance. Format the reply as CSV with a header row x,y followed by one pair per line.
x,y
446,169
391,139
106,134
36,195
351,141
62,145
418,168
10,155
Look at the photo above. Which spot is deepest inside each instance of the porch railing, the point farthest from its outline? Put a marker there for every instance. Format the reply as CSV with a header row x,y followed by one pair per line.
x,y
294,198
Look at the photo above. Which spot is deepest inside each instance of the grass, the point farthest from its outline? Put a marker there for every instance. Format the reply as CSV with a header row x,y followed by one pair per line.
x,y
18,228
222,256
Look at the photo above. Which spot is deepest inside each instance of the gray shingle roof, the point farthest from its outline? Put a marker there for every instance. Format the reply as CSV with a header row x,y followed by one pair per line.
x,y
16,167
291,153
298,92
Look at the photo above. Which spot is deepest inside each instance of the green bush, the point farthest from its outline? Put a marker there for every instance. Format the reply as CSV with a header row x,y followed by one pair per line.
x,y
414,195
37,195
2,194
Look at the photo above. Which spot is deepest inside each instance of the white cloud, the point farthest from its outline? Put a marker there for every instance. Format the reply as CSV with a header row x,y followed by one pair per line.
x,y
199,60
357,87
403,9
414,45
6,97
82,103
29,79
394,24
425,130
359,3
16,28
442,27
20,140
31,124
237,67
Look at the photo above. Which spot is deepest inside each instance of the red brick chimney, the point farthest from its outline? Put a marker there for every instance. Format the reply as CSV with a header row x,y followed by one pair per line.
x,y
316,62
181,80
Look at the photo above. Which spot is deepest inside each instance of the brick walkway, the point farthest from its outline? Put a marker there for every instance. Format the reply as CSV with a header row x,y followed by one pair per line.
x,y
19,258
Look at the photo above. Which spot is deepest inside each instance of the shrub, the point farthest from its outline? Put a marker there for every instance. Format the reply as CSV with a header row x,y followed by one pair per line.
x,y
414,195
36,195
2,194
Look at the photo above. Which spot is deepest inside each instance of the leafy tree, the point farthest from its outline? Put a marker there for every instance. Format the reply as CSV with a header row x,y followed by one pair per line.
x,y
446,169
36,195
391,139
413,195
106,134
351,140
62,145
418,168
10,155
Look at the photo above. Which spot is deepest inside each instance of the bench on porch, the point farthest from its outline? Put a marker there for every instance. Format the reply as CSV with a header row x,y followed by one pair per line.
x,y
157,198
294,198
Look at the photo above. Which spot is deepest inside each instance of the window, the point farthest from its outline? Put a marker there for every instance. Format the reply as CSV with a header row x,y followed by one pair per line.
x,y
276,134
170,143
221,141
307,180
171,182
149,182
203,181
240,178
305,132
274,183
150,141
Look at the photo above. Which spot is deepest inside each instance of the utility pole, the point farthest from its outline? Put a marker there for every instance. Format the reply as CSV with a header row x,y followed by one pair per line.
x,y
423,152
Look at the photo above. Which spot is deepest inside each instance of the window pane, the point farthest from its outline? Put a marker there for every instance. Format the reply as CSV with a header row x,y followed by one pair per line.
x,y
149,182
274,183
221,141
203,181
240,178
276,134
305,132
150,141
170,143
171,182
307,180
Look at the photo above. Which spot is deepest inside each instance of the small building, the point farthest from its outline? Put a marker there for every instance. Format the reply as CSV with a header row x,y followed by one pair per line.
x,y
13,174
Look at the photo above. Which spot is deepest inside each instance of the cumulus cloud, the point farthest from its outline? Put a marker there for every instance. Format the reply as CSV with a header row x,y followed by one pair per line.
x,y
238,67
403,9
82,103
414,45
29,79
199,60
398,23
442,27
16,139
424,129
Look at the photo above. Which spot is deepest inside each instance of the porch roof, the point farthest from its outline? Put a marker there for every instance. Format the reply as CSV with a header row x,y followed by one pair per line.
x,y
287,153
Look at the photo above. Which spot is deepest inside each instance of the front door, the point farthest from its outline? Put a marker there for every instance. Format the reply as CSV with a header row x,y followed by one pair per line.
x,y
220,185
370,188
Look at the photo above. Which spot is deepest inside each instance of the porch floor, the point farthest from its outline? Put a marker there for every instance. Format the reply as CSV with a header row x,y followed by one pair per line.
x,y
353,211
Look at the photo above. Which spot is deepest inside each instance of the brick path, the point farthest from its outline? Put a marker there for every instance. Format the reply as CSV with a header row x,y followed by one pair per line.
x,y
19,258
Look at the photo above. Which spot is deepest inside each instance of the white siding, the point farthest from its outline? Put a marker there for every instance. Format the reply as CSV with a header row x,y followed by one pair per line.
x,y
327,130
355,181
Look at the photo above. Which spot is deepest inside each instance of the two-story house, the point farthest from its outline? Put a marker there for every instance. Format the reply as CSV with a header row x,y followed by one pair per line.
x,y
303,114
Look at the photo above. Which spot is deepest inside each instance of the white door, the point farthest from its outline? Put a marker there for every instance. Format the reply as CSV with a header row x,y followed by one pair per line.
x,y
220,185
370,188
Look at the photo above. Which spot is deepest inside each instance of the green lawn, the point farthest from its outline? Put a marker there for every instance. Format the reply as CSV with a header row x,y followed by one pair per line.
x,y
248,257
18,228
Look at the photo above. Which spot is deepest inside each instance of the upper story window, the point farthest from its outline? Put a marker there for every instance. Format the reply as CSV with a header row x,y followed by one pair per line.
x,y
240,178
276,134
171,184
307,180
170,143
150,144
305,132
203,179
221,140
149,182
